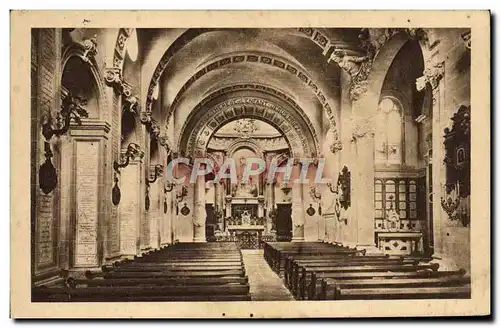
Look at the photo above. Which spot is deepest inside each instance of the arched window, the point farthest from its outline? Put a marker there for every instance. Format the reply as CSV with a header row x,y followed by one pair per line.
x,y
389,132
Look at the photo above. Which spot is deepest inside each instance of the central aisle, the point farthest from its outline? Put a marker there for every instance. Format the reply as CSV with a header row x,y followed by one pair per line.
x,y
265,285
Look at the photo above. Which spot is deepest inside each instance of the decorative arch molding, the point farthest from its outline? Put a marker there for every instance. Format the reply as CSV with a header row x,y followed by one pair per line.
x,y
205,125
190,34
86,50
244,143
121,47
371,88
255,58
114,74
311,33
259,89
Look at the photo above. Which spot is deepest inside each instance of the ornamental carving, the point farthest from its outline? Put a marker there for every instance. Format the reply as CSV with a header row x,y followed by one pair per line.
x,y
90,48
113,78
361,128
372,40
252,107
432,75
466,38
246,127
336,145
165,142
121,41
150,123
131,104
266,90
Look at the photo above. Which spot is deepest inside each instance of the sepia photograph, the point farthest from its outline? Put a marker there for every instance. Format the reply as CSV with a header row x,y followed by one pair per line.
x,y
251,168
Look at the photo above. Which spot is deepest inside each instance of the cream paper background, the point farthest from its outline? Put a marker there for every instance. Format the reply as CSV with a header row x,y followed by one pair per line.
x,y
23,21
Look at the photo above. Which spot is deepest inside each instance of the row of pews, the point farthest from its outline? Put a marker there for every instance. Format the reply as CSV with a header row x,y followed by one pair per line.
x,y
324,271
181,272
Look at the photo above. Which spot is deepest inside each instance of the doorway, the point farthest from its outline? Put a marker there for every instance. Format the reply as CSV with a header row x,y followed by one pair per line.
x,y
284,222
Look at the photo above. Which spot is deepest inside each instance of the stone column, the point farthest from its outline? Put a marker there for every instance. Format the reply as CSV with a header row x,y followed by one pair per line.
x,y
362,184
439,119
130,208
200,213
84,171
298,215
154,214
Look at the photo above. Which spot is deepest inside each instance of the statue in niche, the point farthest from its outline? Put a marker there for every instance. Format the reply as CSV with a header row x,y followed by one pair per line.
x,y
244,188
392,219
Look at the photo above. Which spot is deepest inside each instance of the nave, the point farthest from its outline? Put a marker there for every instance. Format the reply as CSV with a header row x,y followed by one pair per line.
x,y
124,122
220,272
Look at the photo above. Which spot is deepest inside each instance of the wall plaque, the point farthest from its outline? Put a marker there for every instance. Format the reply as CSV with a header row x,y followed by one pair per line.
x,y
87,176
45,228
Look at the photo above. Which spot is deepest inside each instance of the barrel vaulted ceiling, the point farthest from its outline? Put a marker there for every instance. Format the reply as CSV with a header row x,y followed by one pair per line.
x,y
291,61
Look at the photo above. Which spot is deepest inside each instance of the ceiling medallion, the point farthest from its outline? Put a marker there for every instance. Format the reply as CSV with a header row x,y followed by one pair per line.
x,y
246,127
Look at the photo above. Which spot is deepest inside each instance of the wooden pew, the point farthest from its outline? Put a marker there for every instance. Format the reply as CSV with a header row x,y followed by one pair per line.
x,y
278,252
300,283
183,272
315,289
405,293
295,266
172,281
144,293
332,289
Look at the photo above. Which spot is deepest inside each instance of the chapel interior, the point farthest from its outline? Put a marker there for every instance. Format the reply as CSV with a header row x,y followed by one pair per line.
x,y
385,113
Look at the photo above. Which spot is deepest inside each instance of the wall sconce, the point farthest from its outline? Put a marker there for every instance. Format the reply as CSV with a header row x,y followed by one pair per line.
x,y
449,204
317,197
71,109
115,192
133,151
179,197
151,124
343,188
158,173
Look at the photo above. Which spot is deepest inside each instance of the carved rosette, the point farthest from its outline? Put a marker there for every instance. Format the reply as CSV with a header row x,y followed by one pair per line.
x,y
361,128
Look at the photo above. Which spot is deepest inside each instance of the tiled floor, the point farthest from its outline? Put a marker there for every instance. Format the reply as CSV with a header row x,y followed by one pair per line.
x,y
265,285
